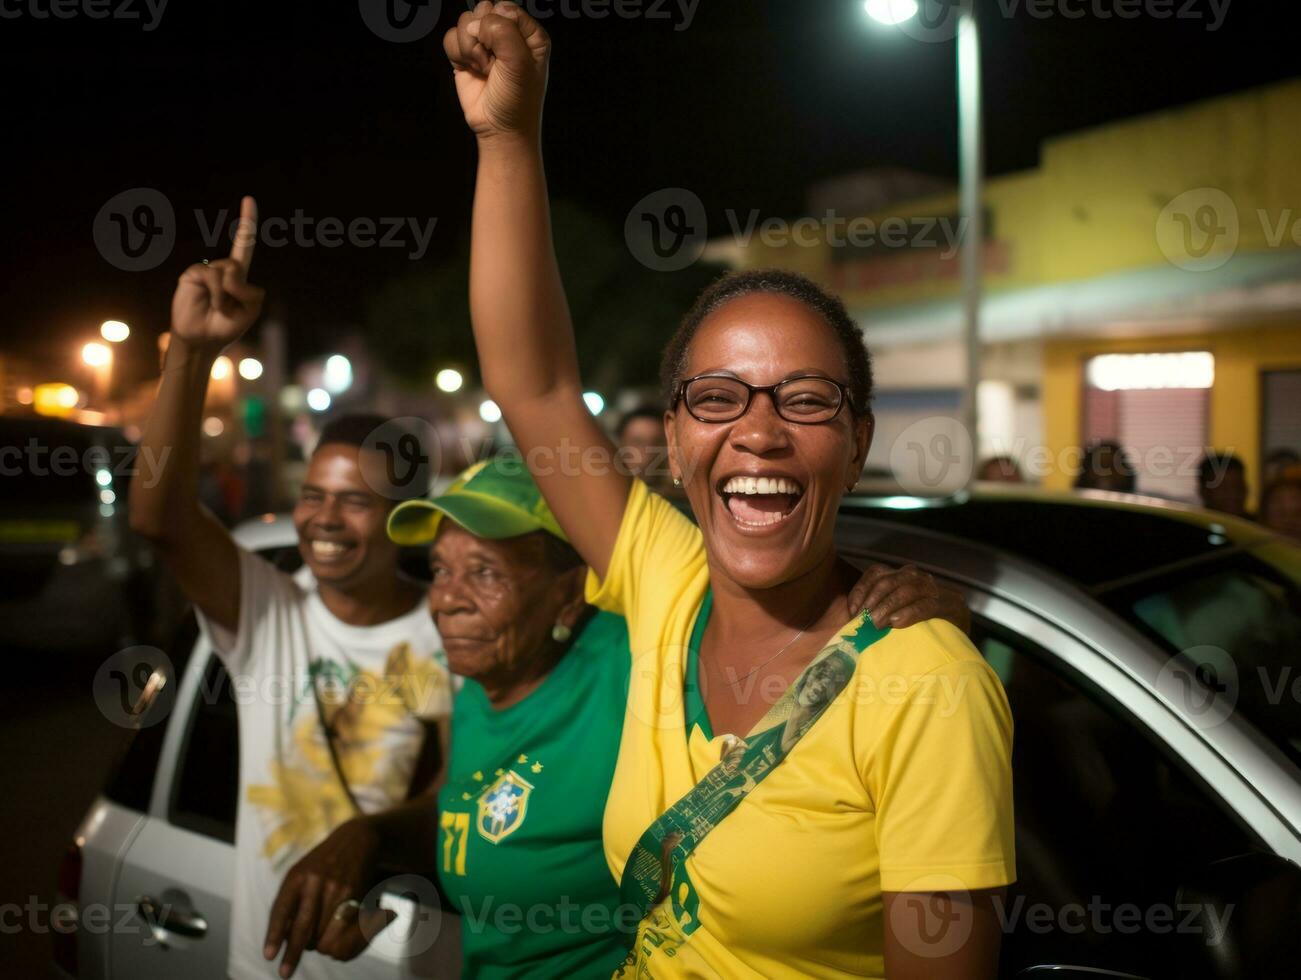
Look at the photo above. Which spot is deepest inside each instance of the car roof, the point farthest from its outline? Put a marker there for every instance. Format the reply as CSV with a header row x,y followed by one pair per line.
x,y
15,427
1090,537
267,531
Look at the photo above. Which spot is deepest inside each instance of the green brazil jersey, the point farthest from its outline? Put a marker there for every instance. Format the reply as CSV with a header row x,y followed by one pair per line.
x,y
520,818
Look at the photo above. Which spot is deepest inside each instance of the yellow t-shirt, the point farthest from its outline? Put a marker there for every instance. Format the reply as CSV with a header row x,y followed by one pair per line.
x,y
904,783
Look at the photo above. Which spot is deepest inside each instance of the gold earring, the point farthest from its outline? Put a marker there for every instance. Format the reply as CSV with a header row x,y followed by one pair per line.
x,y
561,633
677,482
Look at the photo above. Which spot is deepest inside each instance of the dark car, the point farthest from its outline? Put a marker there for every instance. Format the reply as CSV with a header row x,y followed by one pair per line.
x,y
72,574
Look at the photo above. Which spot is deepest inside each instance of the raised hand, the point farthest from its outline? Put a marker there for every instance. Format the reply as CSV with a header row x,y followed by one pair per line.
x,y
214,304
499,56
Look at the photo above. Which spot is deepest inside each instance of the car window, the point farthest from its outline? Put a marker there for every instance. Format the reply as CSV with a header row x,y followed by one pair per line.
x,y
206,787
132,781
1236,627
1107,819
205,791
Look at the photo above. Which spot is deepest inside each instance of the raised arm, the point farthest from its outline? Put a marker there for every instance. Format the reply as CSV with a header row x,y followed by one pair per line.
x,y
212,307
521,319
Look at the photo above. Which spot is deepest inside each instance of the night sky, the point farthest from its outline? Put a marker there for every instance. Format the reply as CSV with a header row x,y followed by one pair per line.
x,y
302,105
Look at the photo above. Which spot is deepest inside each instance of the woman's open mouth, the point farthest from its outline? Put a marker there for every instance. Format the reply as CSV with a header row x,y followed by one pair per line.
x,y
760,501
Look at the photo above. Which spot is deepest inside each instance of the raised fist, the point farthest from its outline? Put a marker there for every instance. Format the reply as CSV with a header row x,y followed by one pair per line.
x,y
499,55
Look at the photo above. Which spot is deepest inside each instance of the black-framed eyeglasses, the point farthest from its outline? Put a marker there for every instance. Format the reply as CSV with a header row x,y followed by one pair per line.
x,y
805,400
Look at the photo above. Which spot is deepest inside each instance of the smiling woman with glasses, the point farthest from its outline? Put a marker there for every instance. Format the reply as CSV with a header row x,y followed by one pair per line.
x,y
799,792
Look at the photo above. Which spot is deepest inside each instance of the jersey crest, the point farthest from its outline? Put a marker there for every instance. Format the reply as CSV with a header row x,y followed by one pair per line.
x,y
503,807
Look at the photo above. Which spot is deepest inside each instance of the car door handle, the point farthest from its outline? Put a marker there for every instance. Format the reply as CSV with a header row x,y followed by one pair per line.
x,y
167,918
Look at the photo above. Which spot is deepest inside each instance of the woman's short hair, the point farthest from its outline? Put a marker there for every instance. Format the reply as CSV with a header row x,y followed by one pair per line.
x,y
560,555
779,283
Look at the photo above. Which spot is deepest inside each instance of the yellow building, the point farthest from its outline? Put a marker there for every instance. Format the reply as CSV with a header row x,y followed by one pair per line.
x,y
1176,232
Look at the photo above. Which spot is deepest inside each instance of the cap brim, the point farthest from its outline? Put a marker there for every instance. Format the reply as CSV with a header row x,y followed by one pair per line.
x,y
416,521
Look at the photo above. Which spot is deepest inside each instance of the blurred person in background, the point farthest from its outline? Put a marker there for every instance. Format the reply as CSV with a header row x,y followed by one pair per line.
x,y
1106,466
535,736
1277,462
1280,505
1222,483
640,434
350,691
1000,469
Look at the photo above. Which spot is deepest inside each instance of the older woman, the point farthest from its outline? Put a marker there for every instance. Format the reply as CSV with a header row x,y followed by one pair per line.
x,y
873,839
515,832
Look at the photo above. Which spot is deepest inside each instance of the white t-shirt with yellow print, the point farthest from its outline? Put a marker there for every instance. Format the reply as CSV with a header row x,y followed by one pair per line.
x,y
904,784
379,688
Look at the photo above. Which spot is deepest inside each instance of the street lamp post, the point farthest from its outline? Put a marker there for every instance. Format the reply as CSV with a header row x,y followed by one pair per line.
x,y
971,140
971,167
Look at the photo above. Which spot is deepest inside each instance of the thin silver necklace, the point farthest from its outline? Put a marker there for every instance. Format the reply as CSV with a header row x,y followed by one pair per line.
x,y
789,644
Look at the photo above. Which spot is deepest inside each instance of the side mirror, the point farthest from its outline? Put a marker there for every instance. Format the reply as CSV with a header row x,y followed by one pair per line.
x,y
1245,925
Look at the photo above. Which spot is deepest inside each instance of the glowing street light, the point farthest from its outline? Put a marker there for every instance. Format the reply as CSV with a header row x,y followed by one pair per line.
x,y
891,12
221,368
595,403
449,380
318,399
96,355
114,331
489,411
250,368
338,374
55,399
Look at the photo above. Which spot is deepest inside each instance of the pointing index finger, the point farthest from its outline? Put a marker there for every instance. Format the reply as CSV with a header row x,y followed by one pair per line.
x,y
241,249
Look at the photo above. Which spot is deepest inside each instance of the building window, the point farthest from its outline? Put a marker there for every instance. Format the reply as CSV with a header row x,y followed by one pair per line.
x,y
1155,406
1281,412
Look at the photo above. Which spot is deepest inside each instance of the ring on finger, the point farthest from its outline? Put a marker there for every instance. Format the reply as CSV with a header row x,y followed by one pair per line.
x,y
341,911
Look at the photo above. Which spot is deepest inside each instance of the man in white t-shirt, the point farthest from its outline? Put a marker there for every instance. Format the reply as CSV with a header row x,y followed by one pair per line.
x,y
341,690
